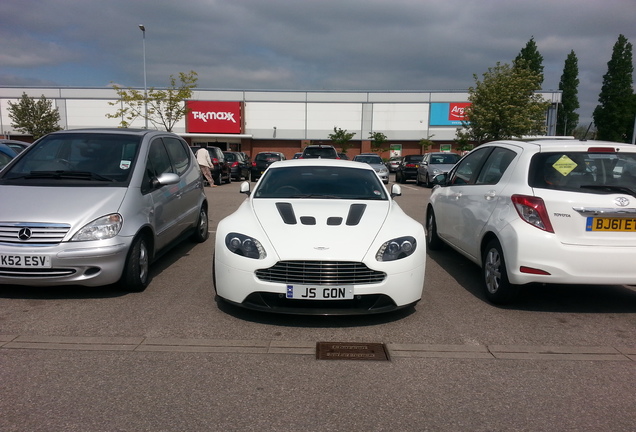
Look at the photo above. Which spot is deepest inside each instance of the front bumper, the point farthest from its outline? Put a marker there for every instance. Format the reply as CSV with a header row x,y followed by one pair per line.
x,y
79,263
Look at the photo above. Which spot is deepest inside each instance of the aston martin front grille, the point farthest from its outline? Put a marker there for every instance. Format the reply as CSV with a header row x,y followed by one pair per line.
x,y
320,273
32,233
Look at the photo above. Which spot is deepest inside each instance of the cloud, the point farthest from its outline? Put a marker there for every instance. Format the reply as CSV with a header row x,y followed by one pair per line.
x,y
306,45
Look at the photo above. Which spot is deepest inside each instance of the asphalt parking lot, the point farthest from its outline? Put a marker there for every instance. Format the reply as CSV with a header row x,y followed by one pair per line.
x,y
173,358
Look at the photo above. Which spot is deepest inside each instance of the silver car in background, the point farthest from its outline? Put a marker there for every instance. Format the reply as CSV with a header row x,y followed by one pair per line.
x,y
376,162
95,207
434,164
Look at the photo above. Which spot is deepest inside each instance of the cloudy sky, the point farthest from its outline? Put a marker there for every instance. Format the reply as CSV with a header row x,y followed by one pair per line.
x,y
305,44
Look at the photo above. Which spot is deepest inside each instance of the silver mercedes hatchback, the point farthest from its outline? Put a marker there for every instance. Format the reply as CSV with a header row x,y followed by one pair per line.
x,y
95,207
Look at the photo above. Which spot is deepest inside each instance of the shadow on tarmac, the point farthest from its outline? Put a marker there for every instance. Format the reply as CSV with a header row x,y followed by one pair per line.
x,y
541,297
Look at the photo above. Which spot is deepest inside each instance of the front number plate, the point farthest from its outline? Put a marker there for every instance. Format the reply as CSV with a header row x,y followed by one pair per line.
x,y
25,261
305,292
611,224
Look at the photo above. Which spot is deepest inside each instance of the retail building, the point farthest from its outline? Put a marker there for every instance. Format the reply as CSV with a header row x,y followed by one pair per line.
x,y
286,121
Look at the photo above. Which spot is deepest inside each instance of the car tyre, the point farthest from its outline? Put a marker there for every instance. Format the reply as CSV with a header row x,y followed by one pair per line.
x,y
201,232
135,277
417,180
433,242
253,177
498,288
428,181
217,178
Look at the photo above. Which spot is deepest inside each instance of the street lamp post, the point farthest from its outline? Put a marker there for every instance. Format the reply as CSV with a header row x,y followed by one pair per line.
x,y
143,31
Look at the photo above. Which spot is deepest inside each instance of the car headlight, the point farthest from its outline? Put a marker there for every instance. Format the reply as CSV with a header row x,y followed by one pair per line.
x,y
100,229
437,171
246,246
396,249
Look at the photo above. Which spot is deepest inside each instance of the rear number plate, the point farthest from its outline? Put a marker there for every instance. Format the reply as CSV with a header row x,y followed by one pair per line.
x,y
610,224
25,261
305,292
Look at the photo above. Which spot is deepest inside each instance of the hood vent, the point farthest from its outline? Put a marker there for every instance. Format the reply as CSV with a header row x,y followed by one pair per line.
x,y
355,213
286,211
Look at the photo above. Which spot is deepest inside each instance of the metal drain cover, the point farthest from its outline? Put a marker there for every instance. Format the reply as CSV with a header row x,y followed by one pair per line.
x,y
351,351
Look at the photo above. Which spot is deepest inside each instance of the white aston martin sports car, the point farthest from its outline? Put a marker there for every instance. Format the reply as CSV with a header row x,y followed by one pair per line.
x,y
321,237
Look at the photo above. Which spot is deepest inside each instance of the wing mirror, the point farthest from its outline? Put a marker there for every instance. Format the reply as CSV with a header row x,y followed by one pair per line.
x,y
396,190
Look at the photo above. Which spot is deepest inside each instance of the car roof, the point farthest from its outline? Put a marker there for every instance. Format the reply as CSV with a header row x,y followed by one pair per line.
x,y
545,145
320,162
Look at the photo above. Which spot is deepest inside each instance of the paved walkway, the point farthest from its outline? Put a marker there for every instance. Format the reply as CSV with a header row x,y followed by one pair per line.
x,y
396,350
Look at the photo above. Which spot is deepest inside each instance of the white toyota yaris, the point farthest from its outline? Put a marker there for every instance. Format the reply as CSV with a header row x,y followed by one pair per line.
x,y
546,211
320,236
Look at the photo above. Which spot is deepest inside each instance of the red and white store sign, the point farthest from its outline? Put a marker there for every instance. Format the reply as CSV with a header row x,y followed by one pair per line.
x,y
457,111
213,117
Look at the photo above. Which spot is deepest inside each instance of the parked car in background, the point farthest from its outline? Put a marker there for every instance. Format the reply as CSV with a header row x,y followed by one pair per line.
x,y
544,211
297,155
407,169
221,172
97,206
320,236
16,145
376,163
239,167
321,151
262,161
434,164
6,154
343,156
393,163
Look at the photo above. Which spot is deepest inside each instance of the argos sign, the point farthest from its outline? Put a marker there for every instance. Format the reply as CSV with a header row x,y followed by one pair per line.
x,y
214,117
448,114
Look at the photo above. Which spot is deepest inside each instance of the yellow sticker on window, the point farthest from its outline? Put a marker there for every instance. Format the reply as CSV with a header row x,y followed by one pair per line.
x,y
564,165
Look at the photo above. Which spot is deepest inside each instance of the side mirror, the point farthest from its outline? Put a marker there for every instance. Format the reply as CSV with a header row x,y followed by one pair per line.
x,y
440,179
245,188
396,190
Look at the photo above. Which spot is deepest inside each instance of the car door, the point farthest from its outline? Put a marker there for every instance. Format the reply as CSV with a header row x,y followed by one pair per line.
x,y
450,206
166,200
189,190
480,199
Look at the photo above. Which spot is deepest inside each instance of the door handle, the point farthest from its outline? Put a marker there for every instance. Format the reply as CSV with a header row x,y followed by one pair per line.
x,y
491,194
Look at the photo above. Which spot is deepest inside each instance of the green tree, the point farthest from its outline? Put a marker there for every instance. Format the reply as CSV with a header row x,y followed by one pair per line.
x,y
529,57
165,107
35,118
567,118
341,138
378,139
504,104
614,117
426,143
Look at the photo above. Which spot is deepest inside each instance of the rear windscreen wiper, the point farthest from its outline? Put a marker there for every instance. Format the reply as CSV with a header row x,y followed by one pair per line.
x,y
610,189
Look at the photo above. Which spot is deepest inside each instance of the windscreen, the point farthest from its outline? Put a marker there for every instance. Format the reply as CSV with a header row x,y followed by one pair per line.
x,y
80,157
322,183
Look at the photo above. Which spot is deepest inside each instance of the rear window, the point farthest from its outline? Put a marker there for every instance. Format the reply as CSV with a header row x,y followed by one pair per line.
x,y
583,171
267,157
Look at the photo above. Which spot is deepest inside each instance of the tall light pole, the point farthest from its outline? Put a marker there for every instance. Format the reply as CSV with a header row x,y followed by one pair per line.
x,y
143,31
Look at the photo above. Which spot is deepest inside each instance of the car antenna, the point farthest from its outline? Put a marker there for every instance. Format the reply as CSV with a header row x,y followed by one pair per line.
x,y
587,131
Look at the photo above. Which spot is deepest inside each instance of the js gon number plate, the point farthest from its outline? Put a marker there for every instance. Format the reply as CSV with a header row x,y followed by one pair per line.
x,y
303,292
611,224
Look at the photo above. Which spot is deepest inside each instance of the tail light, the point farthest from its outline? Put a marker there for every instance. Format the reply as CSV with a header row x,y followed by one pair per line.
x,y
532,210
234,164
410,165
254,164
215,161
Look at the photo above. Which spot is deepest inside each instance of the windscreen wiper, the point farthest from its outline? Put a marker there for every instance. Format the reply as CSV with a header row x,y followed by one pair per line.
x,y
610,189
60,174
